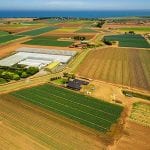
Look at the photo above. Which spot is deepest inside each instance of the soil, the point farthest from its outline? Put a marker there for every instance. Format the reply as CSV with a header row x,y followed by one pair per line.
x,y
43,131
135,137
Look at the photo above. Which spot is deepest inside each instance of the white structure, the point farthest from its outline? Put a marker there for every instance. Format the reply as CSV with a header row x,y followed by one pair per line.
x,y
47,51
37,57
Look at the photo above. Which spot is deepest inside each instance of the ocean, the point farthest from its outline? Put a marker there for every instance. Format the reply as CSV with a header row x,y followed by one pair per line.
x,y
81,14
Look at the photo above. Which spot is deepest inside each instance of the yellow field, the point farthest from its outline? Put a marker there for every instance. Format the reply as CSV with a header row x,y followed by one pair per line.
x,y
68,30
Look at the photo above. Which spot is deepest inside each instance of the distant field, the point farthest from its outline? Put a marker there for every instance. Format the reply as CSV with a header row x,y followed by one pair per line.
x,y
38,31
88,111
128,67
86,30
8,38
140,113
2,33
128,40
48,41
136,29
67,30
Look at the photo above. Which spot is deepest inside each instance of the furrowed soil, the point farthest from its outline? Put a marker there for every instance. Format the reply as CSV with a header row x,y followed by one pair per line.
x,y
127,67
135,137
23,124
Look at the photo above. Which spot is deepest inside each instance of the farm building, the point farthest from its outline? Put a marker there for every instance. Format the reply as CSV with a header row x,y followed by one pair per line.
x,y
52,66
37,57
76,84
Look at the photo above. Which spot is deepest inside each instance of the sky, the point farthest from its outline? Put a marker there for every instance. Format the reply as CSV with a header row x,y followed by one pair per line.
x,y
74,4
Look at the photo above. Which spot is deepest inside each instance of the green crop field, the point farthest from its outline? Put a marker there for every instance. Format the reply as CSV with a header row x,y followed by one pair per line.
x,y
38,31
8,38
2,33
88,111
48,41
86,30
136,29
128,40
140,113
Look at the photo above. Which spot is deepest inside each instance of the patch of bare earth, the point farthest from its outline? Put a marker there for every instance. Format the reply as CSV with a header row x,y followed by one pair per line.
x,y
11,47
135,137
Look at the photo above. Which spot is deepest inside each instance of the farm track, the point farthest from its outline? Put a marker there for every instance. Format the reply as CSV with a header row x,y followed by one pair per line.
x,y
119,66
44,131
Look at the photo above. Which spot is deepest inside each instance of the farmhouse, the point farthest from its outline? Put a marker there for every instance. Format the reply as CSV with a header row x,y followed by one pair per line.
x,y
76,84
36,57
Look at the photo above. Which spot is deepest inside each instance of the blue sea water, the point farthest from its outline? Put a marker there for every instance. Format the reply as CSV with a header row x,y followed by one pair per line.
x,y
81,14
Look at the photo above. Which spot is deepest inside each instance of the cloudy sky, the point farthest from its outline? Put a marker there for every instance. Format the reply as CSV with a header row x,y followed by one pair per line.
x,y
74,4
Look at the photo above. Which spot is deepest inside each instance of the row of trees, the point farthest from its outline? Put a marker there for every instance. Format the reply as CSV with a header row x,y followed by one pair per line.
x,y
100,23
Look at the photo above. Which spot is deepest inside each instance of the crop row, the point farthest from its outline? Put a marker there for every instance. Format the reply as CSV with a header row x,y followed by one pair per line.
x,y
88,111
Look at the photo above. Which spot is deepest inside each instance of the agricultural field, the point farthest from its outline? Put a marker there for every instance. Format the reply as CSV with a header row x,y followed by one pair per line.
x,y
8,38
16,28
86,30
66,30
127,67
136,29
135,137
128,40
39,31
140,113
93,113
44,131
3,33
49,41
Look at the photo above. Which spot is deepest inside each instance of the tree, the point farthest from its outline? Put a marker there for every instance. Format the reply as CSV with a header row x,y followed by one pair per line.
x,y
107,42
32,70
131,32
16,77
100,23
24,75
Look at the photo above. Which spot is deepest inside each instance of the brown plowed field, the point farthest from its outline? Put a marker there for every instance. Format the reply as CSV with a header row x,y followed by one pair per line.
x,y
14,29
25,126
127,67
135,137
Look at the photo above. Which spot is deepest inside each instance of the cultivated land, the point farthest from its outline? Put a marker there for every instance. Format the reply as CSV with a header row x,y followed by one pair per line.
x,y
25,126
127,67
2,33
128,40
140,113
8,38
48,41
135,137
38,31
86,30
136,29
16,28
88,111
48,117
66,30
